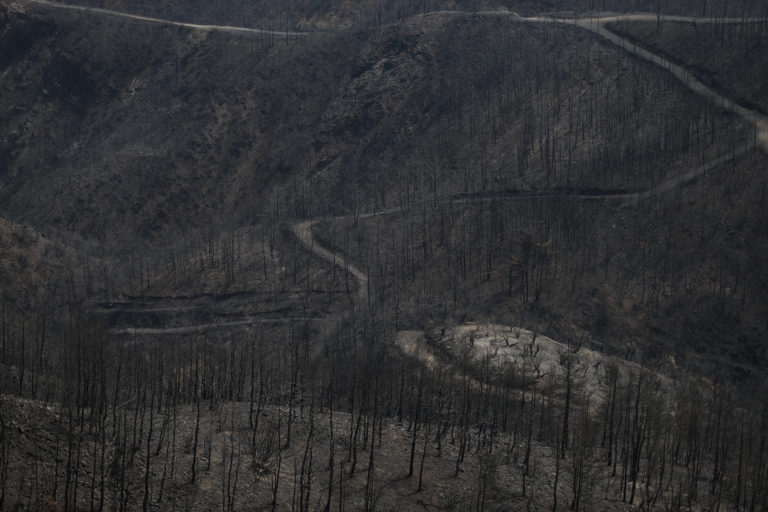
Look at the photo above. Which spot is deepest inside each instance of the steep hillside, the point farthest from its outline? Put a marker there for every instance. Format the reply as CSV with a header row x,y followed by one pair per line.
x,y
142,130
463,260
122,129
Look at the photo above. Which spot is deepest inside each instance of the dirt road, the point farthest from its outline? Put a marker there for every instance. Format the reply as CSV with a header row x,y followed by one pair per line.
x,y
598,26
303,231
218,28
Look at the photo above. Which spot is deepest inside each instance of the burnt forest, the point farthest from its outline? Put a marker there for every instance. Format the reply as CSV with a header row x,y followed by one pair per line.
x,y
384,255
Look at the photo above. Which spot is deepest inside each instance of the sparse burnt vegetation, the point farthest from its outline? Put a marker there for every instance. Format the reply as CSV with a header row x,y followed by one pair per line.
x,y
412,259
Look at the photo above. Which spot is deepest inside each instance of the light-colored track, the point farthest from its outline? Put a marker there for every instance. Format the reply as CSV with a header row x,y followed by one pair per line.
x,y
148,19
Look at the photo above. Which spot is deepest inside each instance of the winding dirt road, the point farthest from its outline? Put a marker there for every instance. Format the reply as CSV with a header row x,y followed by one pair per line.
x,y
303,229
